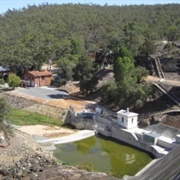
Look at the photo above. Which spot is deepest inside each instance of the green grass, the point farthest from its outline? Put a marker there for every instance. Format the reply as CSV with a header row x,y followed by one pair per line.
x,y
20,117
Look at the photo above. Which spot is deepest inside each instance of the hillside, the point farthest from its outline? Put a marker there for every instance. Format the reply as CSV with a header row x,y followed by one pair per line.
x,y
33,35
160,107
64,33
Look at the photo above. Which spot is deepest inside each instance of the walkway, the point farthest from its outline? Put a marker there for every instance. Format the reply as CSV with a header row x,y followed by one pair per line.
x,y
167,94
153,79
83,134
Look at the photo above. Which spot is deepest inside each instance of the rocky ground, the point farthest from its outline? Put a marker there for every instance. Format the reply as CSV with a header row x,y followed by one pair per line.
x,y
24,159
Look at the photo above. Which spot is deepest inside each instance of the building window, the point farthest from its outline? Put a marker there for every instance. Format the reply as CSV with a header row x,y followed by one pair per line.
x,y
122,119
132,120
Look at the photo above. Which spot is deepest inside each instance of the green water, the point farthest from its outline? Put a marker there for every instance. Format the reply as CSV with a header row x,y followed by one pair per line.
x,y
104,155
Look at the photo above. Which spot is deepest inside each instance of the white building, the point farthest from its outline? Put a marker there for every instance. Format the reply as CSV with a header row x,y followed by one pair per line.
x,y
127,119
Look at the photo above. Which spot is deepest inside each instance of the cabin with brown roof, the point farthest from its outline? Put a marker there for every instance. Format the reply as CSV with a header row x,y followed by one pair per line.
x,y
37,78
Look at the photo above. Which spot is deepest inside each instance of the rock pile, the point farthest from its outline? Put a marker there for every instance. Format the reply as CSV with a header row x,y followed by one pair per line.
x,y
27,167
38,167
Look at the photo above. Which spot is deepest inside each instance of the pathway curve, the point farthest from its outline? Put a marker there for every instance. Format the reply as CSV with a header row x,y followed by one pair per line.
x,y
83,134
153,79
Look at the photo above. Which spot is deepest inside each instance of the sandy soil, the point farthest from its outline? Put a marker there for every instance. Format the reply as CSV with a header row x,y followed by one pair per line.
x,y
46,131
71,87
78,105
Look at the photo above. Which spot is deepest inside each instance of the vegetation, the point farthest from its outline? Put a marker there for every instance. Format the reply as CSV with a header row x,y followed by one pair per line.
x,y
34,35
84,72
13,80
88,167
2,82
23,118
168,47
127,89
81,39
5,123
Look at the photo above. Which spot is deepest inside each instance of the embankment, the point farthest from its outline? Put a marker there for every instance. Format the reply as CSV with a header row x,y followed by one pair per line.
x,y
34,106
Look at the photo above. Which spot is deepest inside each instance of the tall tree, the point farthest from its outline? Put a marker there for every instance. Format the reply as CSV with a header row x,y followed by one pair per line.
x,y
173,33
147,48
84,72
127,90
133,36
123,69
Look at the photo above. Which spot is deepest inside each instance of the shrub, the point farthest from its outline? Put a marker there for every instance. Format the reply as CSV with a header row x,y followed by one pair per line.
x,y
13,81
2,82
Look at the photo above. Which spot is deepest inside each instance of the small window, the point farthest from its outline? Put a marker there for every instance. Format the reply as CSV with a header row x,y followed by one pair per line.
x,y
122,119
43,78
132,120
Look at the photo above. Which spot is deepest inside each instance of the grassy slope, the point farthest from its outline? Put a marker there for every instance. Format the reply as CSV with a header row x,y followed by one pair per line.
x,y
20,117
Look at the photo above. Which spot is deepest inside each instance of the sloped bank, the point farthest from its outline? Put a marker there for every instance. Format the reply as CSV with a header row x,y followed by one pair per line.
x,y
25,159
34,106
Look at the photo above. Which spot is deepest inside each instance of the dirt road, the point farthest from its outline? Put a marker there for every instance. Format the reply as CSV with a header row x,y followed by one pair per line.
x,y
154,79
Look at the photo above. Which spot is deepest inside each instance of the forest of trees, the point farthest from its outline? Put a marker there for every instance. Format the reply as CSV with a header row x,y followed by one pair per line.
x,y
34,35
69,34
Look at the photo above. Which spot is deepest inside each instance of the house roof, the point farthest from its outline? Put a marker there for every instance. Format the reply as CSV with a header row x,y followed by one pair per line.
x,y
40,73
127,113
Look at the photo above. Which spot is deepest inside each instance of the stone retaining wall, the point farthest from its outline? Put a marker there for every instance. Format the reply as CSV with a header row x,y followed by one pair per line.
x,y
34,106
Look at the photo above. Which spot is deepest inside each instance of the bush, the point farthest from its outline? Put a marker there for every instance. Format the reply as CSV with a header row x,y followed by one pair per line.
x,y
2,82
13,81
57,81
88,167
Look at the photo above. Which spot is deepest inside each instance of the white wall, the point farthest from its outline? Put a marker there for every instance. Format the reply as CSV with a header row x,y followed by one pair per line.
x,y
127,122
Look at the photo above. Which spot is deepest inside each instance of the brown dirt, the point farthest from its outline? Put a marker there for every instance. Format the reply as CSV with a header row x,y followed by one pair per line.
x,y
172,119
78,105
55,135
41,130
71,87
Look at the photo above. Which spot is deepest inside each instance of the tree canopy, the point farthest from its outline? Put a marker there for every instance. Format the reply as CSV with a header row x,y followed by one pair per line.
x,y
33,35
70,34
126,90
85,73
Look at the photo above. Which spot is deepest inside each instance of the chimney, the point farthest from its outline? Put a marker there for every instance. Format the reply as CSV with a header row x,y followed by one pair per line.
x,y
127,109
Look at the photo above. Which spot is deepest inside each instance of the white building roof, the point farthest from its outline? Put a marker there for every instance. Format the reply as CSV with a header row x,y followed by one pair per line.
x,y
127,113
2,69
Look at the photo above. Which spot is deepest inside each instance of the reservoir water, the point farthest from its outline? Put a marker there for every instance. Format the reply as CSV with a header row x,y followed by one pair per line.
x,y
103,155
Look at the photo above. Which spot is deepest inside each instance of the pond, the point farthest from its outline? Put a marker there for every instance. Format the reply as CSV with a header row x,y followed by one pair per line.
x,y
103,155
